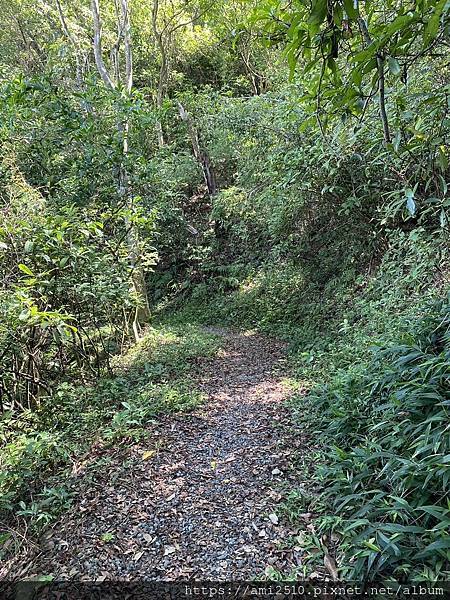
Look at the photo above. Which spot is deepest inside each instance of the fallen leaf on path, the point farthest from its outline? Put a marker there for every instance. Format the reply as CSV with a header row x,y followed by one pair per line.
x,y
230,459
148,454
262,533
305,516
330,566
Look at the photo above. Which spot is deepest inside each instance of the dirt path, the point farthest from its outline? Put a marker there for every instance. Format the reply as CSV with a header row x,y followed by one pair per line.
x,y
204,505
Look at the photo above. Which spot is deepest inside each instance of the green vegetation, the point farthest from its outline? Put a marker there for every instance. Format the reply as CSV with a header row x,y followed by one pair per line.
x,y
387,476
357,280
279,166
42,446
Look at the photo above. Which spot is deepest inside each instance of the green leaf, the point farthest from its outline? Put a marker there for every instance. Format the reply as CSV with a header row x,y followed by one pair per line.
x,y
410,204
43,578
318,13
350,9
24,314
442,159
400,22
435,511
431,548
371,546
357,76
337,16
397,140
394,66
433,24
26,270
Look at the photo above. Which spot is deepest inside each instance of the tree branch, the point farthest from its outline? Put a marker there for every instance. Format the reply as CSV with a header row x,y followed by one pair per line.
x,y
98,46
73,41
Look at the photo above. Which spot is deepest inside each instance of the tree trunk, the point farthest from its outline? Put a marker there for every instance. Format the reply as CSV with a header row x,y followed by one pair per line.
x,y
142,314
163,71
201,156
381,89
383,113
159,102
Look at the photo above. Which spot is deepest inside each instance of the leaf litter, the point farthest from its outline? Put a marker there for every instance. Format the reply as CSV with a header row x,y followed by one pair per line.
x,y
205,505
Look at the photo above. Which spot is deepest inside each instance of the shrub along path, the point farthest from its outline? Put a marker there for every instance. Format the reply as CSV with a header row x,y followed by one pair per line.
x,y
199,498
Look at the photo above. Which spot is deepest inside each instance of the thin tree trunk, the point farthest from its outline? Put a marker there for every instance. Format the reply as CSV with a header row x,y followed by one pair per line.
x,y
383,113
98,46
75,45
163,71
200,155
137,274
159,102
142,314
381,81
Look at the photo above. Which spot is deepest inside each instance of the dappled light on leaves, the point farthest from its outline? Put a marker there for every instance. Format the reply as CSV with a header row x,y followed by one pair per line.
x,y
224,277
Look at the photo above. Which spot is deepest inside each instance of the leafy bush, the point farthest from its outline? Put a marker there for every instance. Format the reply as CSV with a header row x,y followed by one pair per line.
x,y
387,474
289,199
65,292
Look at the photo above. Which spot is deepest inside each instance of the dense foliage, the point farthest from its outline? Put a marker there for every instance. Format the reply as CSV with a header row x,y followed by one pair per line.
x,y
387,477
275,165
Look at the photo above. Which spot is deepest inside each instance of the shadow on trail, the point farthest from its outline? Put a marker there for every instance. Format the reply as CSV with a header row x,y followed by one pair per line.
x,y
198,499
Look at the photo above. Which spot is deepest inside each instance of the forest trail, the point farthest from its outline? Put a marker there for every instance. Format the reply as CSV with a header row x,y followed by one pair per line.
x,y
199,498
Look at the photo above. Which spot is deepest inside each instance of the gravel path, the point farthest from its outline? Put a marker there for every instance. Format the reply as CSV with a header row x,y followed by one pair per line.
x,y
199,498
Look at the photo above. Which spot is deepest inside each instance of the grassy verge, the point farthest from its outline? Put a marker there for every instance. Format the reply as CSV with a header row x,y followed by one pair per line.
x,y
38,448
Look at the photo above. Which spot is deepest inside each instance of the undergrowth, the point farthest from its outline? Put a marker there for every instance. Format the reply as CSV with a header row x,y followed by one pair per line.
x,y
39,447
384,478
